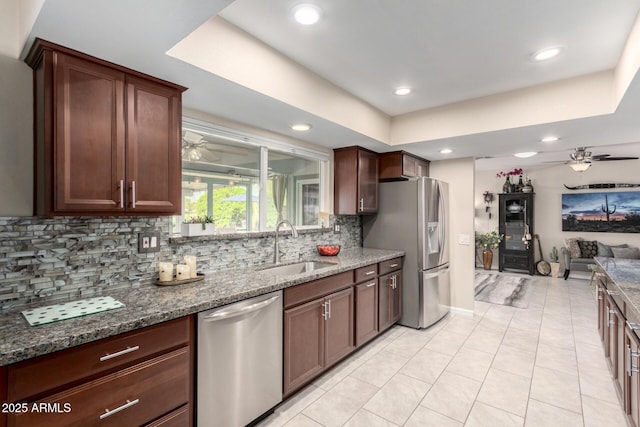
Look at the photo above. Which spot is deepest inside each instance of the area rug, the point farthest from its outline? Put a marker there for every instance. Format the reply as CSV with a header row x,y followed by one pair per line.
x,y
503,289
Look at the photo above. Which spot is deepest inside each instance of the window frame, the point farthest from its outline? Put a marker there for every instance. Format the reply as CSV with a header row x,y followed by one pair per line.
x,y
265,145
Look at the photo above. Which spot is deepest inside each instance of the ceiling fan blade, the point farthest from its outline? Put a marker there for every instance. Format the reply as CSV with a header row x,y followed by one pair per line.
x,y
609,158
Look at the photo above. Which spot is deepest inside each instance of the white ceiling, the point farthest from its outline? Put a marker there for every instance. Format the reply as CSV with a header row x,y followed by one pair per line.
x,y
449,51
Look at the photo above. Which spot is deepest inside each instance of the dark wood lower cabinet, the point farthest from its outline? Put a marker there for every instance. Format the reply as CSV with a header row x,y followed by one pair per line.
x,y
390,300
632,380
325,320
317,335
338,326
366,311
303,343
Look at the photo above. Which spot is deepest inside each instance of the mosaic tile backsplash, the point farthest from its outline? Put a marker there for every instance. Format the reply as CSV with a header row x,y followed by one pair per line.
x,y
61,258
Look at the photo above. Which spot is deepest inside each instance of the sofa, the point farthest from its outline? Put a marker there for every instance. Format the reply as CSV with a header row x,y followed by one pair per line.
x,y
578,254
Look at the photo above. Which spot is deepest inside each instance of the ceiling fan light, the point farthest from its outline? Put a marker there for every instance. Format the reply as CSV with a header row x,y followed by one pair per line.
x,y
580,166
526,154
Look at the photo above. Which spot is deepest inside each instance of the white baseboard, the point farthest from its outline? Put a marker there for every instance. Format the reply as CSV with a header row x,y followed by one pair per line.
x,y
462,311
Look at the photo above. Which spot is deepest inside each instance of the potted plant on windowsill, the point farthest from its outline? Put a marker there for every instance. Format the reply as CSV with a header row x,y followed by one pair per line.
x,y
198,226
555,262
488,242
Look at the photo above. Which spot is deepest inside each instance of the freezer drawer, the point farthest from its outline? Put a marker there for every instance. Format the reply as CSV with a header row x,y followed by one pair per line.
x,y
436,295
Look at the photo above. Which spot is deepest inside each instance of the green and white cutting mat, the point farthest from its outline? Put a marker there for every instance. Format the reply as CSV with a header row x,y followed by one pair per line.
x,y
69,310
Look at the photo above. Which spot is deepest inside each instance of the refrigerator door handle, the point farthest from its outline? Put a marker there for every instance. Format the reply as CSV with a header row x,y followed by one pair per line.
x,y
443,223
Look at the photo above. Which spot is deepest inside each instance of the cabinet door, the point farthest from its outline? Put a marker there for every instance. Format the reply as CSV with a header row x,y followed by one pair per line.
x,y
339,326
601,292
632,386
409,165
153,147
385,296
304,330
367,182
616,345
366,311
89,136
396,300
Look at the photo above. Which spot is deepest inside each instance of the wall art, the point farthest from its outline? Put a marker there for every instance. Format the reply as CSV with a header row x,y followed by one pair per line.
x,y
614,212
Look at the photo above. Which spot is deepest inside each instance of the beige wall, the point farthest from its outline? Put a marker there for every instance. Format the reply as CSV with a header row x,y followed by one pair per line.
x,y
459,173
16,138
548,186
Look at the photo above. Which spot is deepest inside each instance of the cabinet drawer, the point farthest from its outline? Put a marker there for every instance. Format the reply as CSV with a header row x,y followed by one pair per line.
x,y
317,288
515,261
133,396
366,273
32,378
178,418
390,265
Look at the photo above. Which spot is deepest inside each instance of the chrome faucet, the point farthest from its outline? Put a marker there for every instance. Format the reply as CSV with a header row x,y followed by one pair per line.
x,y
276,249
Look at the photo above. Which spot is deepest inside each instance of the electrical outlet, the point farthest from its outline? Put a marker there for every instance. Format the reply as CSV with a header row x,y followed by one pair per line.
x,y
149,241
336,228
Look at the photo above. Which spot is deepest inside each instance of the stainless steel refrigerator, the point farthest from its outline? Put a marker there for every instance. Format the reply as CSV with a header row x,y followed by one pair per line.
x,y
412,216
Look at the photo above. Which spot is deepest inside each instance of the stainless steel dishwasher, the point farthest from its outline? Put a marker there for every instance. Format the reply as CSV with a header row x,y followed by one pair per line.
x,y
239,372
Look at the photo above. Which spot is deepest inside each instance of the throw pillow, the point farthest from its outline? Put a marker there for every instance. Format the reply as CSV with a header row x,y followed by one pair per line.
x,y
588,248
605,250
629,253
573,247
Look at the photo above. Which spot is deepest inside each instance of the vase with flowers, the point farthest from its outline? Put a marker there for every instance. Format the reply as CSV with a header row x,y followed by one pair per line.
x,y
508,187
488,242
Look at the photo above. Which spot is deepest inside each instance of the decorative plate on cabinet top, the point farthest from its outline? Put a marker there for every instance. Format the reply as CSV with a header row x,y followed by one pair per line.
x,y
514,207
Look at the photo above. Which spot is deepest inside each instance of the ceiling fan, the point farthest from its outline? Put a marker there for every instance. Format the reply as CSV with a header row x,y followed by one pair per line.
x,y
581,159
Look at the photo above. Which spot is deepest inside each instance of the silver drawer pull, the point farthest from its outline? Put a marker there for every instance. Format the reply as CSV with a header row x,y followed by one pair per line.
x,y
129,404
371,284
393,265
369,273
611,292
633,326
119,353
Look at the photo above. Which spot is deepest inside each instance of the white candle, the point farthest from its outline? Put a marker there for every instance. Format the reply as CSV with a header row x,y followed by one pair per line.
x,y
182,272
166,271
190,260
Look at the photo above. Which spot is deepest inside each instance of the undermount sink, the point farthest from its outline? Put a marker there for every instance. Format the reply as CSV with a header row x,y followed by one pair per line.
x,y
297,268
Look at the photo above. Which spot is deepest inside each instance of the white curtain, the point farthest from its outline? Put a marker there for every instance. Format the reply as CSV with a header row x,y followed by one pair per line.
x,y
279,183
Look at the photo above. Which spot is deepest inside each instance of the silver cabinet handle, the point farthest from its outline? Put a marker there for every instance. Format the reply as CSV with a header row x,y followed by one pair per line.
x,y
361,204
227,314
633,326
631,355
329,305
129,404
393,265
610,313
369,273
611,292
371,284
119,353
324,311
122,194
133,194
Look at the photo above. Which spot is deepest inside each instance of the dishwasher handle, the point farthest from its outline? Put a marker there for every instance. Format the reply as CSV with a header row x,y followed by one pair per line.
x,y
228,314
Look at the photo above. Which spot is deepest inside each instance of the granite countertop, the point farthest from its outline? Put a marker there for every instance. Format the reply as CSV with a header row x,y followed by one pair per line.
x,y
150,304
625,274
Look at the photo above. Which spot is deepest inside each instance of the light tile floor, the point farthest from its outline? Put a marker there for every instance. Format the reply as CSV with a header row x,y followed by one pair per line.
x,y
540,366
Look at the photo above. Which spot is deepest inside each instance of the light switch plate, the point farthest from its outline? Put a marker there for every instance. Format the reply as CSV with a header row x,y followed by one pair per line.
x,y
149,241
464,239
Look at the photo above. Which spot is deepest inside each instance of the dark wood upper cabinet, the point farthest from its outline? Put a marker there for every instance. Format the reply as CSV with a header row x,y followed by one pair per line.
x,y
355,181
107,139
399,165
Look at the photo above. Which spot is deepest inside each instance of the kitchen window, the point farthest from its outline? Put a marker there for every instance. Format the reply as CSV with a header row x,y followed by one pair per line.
x,y
246,183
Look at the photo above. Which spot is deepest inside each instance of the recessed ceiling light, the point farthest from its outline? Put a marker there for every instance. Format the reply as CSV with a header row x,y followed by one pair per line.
x,y
301,127
526,154
550,138
446,151
402,91
307,14
547,53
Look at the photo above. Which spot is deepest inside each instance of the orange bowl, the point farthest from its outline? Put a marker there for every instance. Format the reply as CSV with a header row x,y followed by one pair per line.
x,y
328,250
